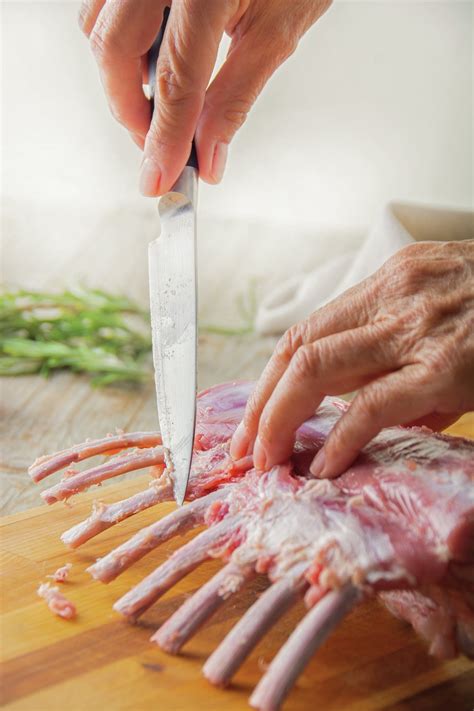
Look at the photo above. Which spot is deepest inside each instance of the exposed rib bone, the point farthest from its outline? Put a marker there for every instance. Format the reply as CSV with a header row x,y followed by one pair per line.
x,y
237,645
104,516
83,480
188,618
185,559
311,632
44,466
176,523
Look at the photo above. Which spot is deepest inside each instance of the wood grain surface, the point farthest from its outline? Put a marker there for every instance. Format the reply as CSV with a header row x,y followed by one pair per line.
x,y
99,661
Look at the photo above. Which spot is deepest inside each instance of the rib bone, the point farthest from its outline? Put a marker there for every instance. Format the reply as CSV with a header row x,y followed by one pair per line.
x,y
185,559
106,515
300,647
83,480
47,465
237,645
192,614
176,523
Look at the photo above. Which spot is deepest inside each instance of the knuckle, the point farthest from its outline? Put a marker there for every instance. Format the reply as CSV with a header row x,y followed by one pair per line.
x,y
287,345
102,40
83,18
367,405
173,86
266,431
426,377
235,114
106,39
295,337
176,78
276,48
287,47
253,411
440,363
405,266
411,251
163,133
304,363
406,276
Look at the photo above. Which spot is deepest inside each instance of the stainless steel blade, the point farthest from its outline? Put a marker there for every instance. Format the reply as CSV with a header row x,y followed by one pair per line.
x,y
173,304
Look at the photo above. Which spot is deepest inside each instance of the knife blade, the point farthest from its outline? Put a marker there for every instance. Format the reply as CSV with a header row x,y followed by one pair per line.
x,y
173,308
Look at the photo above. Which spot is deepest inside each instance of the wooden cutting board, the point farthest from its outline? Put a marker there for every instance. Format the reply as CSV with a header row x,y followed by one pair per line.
x,y
98,661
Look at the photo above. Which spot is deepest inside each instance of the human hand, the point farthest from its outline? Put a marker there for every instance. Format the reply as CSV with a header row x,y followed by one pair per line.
x,y
264,33
404,336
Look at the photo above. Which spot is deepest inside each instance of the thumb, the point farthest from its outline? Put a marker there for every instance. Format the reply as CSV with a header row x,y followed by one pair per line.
x,y
249,64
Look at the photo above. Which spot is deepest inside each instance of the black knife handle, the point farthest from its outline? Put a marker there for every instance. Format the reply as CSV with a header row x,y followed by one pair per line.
x,y
152,60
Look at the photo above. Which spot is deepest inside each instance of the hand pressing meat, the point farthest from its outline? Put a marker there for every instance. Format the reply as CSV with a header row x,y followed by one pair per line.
x,y
404,338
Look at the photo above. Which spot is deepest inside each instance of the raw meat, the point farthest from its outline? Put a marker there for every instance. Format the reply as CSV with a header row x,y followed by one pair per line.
x,y
61,574
399,523
57,602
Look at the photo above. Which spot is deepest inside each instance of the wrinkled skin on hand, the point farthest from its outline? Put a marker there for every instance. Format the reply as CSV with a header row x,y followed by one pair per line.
x,y
264,33
404,338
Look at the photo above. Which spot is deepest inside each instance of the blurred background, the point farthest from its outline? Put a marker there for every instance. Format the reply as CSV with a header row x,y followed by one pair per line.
x,y
375,105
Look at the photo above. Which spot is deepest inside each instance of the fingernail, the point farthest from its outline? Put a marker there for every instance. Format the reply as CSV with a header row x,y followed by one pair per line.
x,y
259,456
219,160
150,175
318,463
240,444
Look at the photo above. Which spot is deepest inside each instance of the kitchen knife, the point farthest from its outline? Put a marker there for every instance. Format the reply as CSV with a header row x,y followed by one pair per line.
x,y
173,306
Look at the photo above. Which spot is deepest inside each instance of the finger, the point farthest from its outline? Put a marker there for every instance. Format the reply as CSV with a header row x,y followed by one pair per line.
x,y
262,41
185,63
400,397
229,99
88,14
124,31
349,311
330,366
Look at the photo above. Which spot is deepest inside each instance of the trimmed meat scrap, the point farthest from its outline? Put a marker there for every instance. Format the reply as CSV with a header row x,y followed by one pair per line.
x,y
61,574
57,602
399,524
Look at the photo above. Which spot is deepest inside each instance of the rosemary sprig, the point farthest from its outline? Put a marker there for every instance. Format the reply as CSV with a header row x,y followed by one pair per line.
x,y
86,330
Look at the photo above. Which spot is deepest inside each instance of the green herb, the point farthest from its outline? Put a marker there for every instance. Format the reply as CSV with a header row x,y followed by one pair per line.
x,y
85,330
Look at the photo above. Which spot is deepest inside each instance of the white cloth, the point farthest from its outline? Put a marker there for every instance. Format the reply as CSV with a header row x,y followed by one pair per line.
x,y
397,225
